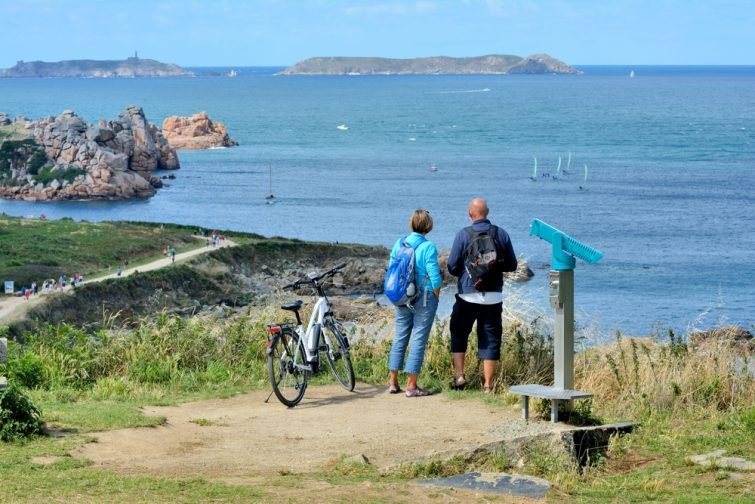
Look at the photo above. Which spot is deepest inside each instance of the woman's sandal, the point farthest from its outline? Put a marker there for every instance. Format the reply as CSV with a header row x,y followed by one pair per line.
x,y
418,392
487,390
459,382
394,388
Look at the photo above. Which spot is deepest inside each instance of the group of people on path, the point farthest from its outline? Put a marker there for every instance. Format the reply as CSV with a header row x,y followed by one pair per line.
x,y
483,306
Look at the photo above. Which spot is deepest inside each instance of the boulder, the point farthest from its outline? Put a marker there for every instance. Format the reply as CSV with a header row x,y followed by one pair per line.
x,y
117,157
197,132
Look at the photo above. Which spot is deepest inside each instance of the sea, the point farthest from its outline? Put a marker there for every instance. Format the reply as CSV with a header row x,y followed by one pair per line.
x,y
657,171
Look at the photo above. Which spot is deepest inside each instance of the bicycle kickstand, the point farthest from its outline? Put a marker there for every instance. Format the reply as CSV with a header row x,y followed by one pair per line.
x,y
268,397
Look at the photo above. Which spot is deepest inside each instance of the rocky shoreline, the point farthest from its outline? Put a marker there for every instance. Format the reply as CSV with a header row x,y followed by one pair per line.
x,y
64,158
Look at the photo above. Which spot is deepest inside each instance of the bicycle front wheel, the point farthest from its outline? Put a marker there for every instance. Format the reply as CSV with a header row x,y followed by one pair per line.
x,y
337,355
284,360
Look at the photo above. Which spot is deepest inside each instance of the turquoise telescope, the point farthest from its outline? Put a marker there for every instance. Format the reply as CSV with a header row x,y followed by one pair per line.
x,y
566,251
565,248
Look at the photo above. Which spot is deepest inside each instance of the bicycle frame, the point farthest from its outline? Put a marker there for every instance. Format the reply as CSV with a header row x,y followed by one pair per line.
x,y
314,328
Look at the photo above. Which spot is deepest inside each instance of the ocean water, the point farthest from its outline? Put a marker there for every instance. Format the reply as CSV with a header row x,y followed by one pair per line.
x,y
668,196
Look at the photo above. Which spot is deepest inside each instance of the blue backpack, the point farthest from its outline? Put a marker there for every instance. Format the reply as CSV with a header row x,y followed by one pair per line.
x,y
400,283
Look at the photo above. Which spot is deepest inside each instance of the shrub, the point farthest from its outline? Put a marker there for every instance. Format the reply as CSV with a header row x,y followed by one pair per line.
x,y
37,161
27,370
19,418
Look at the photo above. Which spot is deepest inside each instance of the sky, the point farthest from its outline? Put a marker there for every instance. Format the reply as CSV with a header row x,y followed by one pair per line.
x,y
282,32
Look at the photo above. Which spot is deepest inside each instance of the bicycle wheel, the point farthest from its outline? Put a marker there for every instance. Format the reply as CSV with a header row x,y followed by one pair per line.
x,y
337,354
285,355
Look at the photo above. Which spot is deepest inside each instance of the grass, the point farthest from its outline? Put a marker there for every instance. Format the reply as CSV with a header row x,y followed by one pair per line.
x,y
32,249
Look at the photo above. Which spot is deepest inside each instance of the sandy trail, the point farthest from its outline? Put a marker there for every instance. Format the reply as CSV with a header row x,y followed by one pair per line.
x,y
244,436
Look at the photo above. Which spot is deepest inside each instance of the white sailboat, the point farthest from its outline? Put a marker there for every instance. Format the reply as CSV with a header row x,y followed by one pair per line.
x,y
270,199
631,74
534,169
558,168
568,163
584,180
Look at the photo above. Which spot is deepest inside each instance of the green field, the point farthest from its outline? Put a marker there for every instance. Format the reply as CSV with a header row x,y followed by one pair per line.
x,y
35,250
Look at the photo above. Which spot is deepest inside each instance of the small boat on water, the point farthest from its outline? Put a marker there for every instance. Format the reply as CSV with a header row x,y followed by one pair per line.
x,y
432,167
270,199
232,73
534,170
342,127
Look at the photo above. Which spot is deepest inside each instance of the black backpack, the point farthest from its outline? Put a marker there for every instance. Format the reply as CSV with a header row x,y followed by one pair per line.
x,y
481,256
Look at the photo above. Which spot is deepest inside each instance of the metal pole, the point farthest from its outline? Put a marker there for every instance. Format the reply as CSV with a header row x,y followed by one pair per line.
x,y
562,301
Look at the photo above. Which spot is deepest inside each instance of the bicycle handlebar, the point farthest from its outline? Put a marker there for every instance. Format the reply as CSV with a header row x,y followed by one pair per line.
x,y
332,271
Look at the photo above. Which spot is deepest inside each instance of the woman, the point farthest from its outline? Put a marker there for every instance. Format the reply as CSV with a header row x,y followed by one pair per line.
x,y
413,323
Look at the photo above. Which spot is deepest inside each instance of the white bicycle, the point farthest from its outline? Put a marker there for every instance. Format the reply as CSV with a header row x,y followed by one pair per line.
x,y
293,355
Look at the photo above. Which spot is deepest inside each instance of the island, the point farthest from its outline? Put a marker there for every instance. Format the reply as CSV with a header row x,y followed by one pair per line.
x,y
130,67
64,158
490,64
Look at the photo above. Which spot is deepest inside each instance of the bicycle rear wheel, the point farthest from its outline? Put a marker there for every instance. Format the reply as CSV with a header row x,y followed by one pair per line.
x,y
288,379
337,354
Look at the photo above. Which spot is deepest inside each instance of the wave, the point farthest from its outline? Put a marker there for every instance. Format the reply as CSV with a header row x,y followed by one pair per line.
x,y
483,90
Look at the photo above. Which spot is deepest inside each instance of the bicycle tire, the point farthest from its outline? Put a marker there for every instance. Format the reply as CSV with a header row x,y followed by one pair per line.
x,y
288,379
337,355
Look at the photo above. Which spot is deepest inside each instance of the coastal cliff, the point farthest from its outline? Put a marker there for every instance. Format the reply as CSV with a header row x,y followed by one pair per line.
x,y
130,67
63,157
491,64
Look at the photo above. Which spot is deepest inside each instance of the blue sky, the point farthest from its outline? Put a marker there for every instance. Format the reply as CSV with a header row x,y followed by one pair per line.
x,y
282,32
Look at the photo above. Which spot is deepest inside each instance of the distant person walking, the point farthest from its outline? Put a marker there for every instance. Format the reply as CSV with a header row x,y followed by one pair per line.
x,y
480,299
413,323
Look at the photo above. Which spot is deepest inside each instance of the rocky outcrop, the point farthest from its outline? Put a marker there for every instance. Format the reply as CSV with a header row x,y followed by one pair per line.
x,y
109,160
490,64
195,133
738,338
130,67
540,64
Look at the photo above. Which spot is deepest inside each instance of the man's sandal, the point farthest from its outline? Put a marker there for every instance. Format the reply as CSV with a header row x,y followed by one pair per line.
x,y
394,388
458,382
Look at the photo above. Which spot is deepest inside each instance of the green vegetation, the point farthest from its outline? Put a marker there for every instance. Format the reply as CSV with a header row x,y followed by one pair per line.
x,y
32,249
686,399
47,174
19,418
19,153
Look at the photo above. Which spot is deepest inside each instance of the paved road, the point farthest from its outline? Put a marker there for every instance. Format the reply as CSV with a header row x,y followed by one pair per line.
x,y
13,306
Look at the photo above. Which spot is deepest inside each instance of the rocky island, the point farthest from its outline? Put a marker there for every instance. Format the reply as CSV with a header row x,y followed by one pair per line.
x,y
130,67
63,157
196,132
491,64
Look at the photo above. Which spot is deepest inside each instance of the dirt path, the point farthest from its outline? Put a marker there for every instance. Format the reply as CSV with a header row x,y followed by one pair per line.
x,y
243,440
11,307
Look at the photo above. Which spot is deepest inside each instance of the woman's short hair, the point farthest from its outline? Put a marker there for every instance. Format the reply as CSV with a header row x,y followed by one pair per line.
x,y
421,222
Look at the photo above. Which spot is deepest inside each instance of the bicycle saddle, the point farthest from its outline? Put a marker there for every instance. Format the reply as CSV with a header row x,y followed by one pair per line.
x,y
295,306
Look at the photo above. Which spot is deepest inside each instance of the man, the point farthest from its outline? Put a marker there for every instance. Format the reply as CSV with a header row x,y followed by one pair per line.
x,y
483,306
